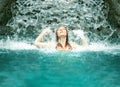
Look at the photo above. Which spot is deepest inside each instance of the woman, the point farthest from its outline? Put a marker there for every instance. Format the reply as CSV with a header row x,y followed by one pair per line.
x,y
61,38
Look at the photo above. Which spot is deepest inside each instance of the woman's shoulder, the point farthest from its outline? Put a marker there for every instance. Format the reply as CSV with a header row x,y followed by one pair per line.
x,y
50,44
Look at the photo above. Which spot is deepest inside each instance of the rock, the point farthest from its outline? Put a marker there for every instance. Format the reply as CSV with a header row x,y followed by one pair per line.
x,y
114,12
5,11
6,30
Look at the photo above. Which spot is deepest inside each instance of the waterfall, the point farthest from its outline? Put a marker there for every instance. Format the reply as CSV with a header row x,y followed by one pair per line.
x,y
31,16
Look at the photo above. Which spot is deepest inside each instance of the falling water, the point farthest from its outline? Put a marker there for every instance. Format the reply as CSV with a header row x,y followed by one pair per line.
x,y
31,16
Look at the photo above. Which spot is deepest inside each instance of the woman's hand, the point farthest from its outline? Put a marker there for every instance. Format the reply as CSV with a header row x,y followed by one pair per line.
x,y
78,33
46,31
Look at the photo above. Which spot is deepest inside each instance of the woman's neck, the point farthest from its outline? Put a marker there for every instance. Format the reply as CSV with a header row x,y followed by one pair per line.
x,y
62,41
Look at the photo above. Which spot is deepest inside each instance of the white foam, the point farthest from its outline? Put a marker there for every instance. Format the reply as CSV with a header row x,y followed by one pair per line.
x,y
16,45
102,47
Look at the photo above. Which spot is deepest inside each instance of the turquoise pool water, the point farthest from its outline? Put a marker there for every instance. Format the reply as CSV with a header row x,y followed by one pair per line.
x,y
45,68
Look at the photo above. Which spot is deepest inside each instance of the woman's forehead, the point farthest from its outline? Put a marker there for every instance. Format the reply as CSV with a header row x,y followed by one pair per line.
x,y
62,27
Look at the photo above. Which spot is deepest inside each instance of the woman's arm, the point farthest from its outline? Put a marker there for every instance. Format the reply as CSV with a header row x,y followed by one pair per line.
x,y
38,42
80,34
84,41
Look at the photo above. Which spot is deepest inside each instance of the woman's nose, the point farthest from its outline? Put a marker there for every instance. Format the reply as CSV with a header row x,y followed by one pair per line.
x,y
61,30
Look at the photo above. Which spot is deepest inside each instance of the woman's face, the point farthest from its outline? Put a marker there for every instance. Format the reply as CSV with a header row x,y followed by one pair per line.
x,y
61,31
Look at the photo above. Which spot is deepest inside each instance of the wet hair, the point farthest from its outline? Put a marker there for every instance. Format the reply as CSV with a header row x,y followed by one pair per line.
x,y
57,38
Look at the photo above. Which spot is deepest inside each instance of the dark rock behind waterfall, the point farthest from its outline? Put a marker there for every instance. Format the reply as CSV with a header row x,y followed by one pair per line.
x,y
114,12
5,11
